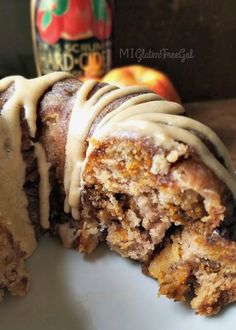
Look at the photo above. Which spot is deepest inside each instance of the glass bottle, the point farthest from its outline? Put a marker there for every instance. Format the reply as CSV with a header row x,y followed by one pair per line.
x,y
73,36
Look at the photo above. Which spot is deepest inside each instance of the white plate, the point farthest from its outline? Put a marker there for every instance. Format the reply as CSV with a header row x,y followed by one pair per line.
x,y
104,292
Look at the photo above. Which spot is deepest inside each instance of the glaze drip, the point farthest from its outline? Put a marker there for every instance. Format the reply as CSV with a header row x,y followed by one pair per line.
x,y
13,202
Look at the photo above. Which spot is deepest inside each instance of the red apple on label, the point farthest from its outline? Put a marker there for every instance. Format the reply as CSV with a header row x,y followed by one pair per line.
x,y
78,18
49,31
65,17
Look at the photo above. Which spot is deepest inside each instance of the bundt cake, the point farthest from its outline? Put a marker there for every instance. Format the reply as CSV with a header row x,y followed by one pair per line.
x,y
91,162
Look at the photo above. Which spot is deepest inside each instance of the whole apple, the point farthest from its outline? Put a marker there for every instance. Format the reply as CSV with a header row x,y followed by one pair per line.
x,y
140,75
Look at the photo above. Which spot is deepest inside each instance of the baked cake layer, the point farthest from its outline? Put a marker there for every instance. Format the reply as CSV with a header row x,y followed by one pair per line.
x,y
92,162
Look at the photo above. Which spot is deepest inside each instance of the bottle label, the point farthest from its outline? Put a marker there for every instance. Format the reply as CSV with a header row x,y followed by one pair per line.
x,y
72,35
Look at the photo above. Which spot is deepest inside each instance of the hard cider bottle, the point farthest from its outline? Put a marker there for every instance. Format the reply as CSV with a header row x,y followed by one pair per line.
x,y
73,36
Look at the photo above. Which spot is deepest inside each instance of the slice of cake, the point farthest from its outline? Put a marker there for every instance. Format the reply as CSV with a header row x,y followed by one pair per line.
x,y
93,162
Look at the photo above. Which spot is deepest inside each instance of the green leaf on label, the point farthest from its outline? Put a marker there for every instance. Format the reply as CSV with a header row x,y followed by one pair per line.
x,y
100,10
61,8
47,19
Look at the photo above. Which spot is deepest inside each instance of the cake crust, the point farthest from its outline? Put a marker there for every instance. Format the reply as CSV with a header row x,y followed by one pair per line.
x,y
13,276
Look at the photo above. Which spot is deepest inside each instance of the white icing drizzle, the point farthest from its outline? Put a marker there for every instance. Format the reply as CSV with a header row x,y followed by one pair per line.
x,y
44,186
13,201
141,115
74,147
